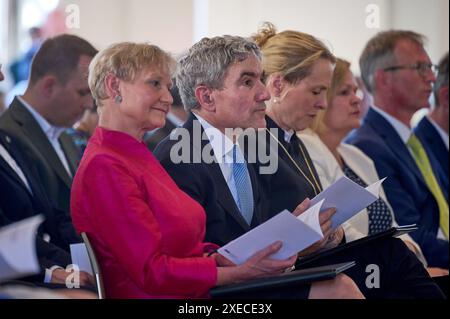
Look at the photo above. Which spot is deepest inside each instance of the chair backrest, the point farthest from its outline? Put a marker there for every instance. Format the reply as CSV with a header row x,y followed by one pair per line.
x,y
95,267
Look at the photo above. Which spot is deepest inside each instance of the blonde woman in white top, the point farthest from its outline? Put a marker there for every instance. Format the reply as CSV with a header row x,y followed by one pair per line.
x,y
334,159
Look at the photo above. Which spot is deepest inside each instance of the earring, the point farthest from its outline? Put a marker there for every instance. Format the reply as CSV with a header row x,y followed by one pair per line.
x,y
118,99
276,100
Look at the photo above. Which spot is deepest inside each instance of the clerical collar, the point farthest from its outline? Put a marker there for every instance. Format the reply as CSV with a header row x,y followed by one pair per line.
x,y
288,135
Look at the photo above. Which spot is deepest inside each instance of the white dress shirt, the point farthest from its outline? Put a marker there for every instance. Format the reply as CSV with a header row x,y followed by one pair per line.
x,y
223,151
52,132
288,135
402,130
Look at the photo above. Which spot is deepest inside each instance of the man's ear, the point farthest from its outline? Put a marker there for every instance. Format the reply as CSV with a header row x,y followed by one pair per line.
x,y
205,97
380,79
47,85
112,85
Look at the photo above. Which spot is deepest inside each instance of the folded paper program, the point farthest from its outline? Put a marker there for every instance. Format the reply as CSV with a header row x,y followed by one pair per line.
x,y
348,198
298,233
18,249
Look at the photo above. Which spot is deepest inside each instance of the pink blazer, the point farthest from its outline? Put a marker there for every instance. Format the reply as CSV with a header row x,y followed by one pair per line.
x,y
147,233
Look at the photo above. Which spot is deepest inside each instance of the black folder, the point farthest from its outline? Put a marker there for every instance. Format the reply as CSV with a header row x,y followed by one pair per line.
x,y
391,232
303,276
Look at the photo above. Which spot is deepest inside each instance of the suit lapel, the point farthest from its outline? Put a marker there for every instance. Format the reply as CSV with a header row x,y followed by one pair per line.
x,y
436,150
41,144
308,165
225,198
37,194
433,141
258,218
302,162
393,141
70,151
4,166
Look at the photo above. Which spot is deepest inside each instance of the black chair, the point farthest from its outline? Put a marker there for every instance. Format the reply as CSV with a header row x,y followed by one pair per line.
x,y
95,267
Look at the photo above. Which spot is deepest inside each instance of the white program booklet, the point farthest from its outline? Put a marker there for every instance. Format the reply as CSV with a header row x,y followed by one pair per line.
x,y
348,198
298,233
80,257
18,256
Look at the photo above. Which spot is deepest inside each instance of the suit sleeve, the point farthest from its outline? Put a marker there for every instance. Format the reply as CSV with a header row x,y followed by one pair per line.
x,y
65,227
126,224
48,254
434,249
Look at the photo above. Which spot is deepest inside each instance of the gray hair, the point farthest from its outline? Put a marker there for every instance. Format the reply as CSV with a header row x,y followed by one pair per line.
x,y
442,78
206,63
379,53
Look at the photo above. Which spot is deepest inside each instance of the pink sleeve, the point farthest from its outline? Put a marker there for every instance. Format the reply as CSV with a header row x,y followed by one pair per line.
x,y
126,225
210,247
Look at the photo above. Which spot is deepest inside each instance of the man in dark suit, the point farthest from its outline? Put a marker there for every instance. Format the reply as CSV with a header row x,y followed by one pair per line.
x,y
205,183
398,72
432,130
56,97
22,196
212,169
203,155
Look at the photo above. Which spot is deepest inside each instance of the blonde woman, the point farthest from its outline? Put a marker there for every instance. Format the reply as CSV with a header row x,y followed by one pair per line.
x,y
299,70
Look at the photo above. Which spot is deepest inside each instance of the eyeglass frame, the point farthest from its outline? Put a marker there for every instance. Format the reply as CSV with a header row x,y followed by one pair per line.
x,y
420,67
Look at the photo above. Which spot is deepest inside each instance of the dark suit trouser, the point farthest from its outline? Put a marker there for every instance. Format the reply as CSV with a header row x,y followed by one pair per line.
x,y
402,275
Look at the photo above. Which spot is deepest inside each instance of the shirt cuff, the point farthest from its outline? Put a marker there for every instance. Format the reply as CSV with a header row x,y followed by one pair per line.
x,y
49,272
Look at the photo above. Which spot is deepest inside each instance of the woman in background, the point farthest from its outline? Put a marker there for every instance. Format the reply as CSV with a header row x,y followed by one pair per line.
x,y
299,70
333,159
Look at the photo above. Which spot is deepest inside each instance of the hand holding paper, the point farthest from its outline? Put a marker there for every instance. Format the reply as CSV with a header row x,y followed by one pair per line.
x,y
298,233
285,227
348,198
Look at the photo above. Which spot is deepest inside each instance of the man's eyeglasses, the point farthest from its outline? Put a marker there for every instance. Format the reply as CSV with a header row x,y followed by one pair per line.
x,y
421,67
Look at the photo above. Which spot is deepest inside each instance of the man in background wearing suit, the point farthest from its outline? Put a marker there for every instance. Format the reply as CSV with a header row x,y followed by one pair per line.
x,y
55,99
22,196
432,130
399,74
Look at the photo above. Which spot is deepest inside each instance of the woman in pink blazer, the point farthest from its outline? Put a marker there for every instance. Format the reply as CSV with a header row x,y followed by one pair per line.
x,y
147,233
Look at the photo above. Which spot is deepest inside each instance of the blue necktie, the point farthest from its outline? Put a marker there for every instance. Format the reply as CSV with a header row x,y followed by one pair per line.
x,y
243,187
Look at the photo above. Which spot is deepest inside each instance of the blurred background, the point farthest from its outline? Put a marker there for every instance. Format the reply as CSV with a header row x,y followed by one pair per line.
x,y
174,25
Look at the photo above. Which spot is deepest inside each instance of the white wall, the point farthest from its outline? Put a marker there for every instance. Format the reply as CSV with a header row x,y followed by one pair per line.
x,y
166,23
427,17
340,23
